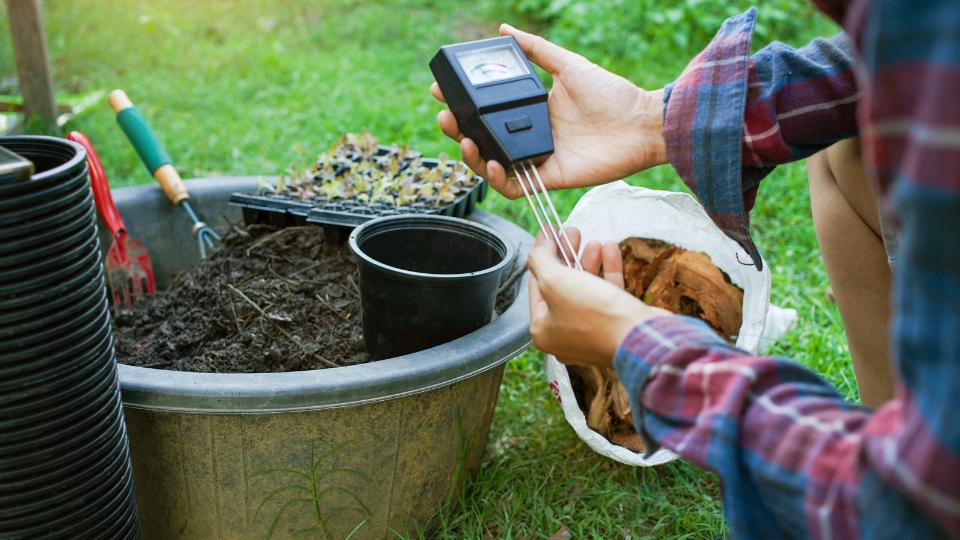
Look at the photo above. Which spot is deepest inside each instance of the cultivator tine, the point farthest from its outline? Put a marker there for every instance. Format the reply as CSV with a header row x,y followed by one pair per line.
x,y
129,271
205,236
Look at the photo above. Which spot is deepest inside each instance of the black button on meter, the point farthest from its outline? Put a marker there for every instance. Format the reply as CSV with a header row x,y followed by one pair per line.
x,y
497,99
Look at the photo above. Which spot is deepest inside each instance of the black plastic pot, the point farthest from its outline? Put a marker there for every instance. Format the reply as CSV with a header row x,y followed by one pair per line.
x,y
426,280
47,220
52,193
33,288
64,459
47,326
37,236
26,310
77,236
46,208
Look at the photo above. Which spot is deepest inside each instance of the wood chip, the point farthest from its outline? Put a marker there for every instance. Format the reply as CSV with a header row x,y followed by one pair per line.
x,y
669,277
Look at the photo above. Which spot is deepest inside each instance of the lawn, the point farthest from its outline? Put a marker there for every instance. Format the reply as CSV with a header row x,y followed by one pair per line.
x,y
232,87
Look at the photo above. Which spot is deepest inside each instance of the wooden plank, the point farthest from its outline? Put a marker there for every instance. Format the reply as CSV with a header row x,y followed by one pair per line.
x,y
33,64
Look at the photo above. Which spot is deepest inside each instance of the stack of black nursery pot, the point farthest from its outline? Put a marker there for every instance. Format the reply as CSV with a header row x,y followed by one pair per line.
x,y
64,463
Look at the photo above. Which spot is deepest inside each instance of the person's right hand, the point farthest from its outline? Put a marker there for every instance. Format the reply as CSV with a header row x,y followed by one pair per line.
x,y
604,127
576,315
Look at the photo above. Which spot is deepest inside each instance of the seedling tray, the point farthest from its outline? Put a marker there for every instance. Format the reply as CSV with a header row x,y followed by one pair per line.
x,y
339,216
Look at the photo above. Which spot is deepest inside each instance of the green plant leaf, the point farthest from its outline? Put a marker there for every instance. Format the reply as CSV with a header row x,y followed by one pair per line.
x,y
280,513
314,463
280,490
329,471
390,529
355,529
324,491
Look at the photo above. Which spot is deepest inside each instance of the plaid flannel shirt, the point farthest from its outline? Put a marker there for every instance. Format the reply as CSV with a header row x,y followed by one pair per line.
x,y
795,459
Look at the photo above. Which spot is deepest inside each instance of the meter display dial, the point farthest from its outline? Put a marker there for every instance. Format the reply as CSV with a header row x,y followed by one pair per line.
x,y
491,64
498,100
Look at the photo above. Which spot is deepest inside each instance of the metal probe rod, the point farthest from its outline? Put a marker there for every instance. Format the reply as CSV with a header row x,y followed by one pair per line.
x,y
542,216
556,216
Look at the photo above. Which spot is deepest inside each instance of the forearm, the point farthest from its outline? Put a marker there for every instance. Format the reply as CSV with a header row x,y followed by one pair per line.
x,y
766,426
799,101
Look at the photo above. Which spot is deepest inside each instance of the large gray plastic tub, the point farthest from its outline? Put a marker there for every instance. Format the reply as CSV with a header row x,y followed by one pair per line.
x,y
402,433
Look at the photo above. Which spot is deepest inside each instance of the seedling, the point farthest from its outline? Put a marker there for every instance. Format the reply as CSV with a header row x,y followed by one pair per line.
x,y
357,167
310,492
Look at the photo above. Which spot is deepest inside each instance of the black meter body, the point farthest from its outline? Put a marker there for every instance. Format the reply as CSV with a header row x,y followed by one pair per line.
x,y
497,99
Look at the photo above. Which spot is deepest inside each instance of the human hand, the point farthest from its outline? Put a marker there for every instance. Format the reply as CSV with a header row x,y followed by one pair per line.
x,y
604,127
576,315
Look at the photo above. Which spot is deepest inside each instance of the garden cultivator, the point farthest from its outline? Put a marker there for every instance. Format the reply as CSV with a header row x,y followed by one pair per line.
x,y
159,164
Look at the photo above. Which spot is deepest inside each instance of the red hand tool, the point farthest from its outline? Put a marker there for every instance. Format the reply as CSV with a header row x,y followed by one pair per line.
x,y
129,271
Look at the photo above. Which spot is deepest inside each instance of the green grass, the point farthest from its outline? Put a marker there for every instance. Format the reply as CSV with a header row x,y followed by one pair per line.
x,y
231,87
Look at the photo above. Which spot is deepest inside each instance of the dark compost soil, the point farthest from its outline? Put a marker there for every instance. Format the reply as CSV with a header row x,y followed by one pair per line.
x,y
264,301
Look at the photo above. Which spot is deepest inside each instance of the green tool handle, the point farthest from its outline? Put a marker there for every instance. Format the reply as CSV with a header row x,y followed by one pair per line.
x,y
148,146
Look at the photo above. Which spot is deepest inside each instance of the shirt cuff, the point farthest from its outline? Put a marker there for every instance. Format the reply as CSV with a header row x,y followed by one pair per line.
x,y
703,128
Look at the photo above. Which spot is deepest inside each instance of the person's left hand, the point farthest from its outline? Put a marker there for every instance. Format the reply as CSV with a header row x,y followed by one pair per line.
x,y
576,315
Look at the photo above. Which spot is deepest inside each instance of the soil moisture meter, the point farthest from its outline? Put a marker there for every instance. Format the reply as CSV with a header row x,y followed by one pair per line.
x,y
496,98
501,104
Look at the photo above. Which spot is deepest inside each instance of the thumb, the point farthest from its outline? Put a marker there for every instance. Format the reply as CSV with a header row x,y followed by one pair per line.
x,y
541,52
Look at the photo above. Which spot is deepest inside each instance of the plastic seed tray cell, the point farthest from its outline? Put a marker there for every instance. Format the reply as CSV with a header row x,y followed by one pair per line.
x,y
284,208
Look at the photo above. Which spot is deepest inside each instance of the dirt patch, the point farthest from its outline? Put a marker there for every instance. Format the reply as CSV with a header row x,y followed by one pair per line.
x,y
264,301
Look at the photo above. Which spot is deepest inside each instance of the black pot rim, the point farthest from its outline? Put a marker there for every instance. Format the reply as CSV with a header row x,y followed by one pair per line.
x,y
34,429
53,192
83,280
53,254
93,501
39,484
48,271
129,528
28,331
39,357
104,521
86,310
77,234
88,415
49,402
80,153
446,223
100,512
28,502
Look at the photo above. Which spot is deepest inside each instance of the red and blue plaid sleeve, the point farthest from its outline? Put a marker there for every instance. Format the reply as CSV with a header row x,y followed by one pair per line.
x,y
731,118
796,460
784,443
